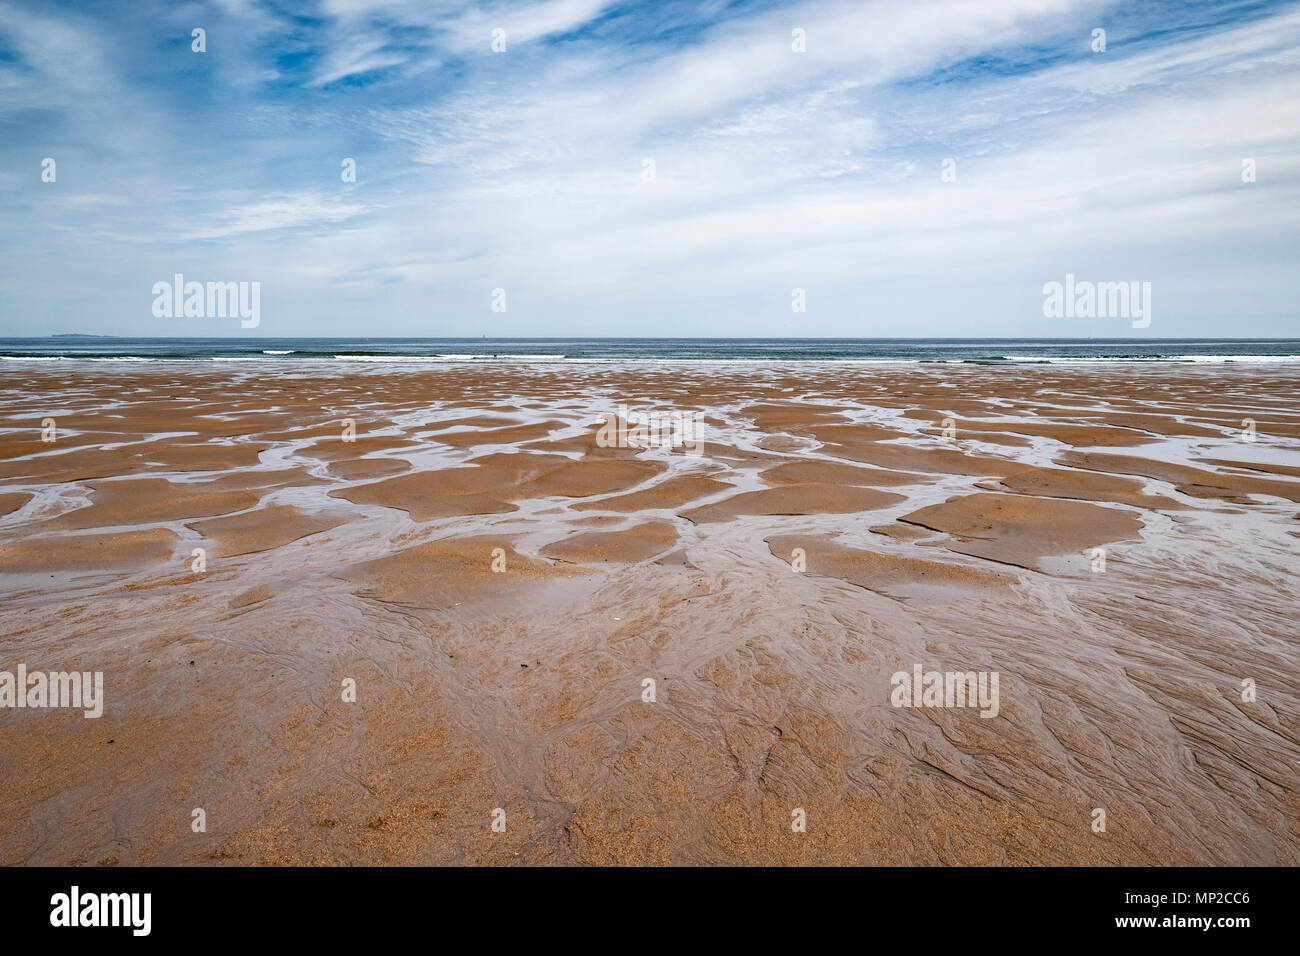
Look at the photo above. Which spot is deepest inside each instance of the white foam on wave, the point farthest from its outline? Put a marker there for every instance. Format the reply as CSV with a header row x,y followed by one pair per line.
x,y
271,355
449,357
1152,359
762,360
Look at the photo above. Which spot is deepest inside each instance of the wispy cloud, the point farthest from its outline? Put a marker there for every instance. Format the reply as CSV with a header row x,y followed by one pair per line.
x,y
301,210
772,168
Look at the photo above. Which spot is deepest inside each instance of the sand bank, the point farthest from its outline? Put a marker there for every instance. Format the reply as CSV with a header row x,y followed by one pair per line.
x,y
645,656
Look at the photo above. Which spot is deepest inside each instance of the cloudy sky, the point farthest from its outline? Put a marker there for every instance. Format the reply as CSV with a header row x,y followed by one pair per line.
x,y
528,170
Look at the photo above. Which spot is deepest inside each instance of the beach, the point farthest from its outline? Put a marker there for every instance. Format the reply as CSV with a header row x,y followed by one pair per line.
x,y
418,613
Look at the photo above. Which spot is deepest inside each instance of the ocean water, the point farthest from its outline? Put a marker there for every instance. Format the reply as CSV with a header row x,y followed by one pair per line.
x,y
991,351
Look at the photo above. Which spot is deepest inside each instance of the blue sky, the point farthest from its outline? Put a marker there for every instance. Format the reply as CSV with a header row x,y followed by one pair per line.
x,y
773,169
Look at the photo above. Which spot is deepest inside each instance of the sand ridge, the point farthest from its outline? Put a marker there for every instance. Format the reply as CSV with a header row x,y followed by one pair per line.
x,y
499,587
1015,529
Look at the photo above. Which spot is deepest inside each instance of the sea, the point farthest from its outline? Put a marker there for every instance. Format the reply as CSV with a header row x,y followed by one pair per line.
x,y
86,348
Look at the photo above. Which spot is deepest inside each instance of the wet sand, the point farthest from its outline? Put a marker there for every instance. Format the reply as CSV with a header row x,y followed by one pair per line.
x,y
503,594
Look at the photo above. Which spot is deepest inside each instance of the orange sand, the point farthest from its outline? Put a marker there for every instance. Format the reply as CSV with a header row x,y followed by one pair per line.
x,y
499,597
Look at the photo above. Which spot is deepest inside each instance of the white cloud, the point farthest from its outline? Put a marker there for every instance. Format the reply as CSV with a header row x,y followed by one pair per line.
x,y
773,167
296,211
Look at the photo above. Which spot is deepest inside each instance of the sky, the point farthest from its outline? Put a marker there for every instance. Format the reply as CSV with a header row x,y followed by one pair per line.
x,y
651,168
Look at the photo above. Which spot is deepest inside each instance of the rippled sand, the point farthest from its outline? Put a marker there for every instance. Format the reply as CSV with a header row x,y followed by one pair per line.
x,y
500,588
